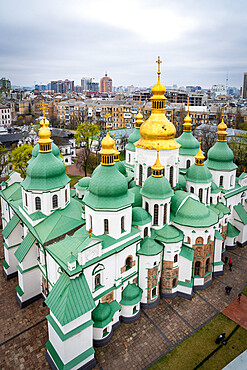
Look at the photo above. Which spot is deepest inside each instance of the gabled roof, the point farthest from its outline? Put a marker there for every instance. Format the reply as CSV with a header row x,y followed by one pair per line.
x,y
10,226
168,234
187,252
241,213
232,231
25,246
70,298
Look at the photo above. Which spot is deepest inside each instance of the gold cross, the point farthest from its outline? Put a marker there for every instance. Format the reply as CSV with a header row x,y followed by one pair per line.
x,y
159,62
223,110
188,103
140,104
43,107
107,115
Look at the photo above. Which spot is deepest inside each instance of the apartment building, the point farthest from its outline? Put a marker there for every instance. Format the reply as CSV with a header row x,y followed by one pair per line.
x,y
106,84
5,115
69,110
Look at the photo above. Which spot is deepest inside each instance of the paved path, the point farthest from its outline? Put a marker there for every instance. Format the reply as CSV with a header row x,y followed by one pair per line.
x,y
23,333
237,311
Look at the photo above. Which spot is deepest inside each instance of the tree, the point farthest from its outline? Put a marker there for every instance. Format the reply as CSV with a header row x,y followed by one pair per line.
x,y
179,120
3,160
86,133
238,118
19,158
207,135
218,115
238,145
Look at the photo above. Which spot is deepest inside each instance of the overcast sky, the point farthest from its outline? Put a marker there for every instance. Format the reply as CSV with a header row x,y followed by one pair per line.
x,y
198,41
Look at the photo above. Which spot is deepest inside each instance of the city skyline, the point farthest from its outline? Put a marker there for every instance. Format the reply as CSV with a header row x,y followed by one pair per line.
x,y
199,44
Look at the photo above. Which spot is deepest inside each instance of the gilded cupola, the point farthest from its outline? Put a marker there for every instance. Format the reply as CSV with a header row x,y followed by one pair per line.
x,y
107,152
157,129
44,133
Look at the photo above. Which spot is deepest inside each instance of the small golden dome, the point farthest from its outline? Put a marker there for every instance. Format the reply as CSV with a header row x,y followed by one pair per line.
x,y
107,152
157,167
199,157
222,133
116,155
44,134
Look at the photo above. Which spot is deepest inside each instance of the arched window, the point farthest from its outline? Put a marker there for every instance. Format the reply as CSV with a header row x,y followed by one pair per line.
x,y
165,213
154,292
188,239
38,203
149,171
128,262
171,176
174,283
54,201
129,158
97,280
191,189
106,226
197,268
211,199
221,180
156,214
145,232
147,207
207,195
175,258
26,199
231,180
200,194
199,240
209,238
188,163
122,223
207,265
66,195
140,175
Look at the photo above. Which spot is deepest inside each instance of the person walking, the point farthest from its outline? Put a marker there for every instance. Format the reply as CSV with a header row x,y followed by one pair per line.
x,y
230,264
239,297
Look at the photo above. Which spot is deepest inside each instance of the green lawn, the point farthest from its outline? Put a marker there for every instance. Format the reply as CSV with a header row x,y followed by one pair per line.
x,y
193,350
74,179
245,291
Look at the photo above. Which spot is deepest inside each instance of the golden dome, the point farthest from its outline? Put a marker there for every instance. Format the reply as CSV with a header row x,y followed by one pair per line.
x,y
157,167
157,129
199,157
221,133
44,134
139,116
107,152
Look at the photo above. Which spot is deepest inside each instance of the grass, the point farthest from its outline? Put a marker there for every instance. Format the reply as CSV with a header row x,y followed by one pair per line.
x,y
74,179
245,291
193,350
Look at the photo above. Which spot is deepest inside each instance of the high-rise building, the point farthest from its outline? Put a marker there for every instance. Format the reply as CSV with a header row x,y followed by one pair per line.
x,y
62,86
5,83
87,84
106,84
244,90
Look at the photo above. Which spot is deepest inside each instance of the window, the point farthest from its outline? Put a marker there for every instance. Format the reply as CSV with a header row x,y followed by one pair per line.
x,y
191,189
207,195
165,213
26,199
54,201
66,195
38,203
188,239
128,262
174,283
221,181
211,199
207,265
188,163
199,240
209,238
200,194
154,292
149,171
147,207
97,281
140,175
105,332
134,310
231,180
145,232
156,214
122,224
175,258
129,158
106,226
171,176
197,268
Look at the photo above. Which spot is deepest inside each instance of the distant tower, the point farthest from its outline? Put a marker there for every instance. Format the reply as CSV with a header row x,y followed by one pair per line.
x,y
106,84
244,90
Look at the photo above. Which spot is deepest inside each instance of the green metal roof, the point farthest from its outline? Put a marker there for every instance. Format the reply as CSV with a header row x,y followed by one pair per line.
x,y
102,315
70,298
217,235
198,174
108,188
45,172
10,226
188,211
24,247
187,252
83,183
121,168
12,192
232,231
137,196
140,216
54,150
133,138
241,212
189,144
157,188
231,193
220,157
216,210
214,188
149,247
131,295
223,208
168,234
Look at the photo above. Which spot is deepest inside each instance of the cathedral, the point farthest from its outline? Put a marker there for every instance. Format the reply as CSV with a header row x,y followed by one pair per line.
x,y
155,225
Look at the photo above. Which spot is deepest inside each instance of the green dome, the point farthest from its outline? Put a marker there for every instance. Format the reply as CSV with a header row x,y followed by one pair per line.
x,y
83,183
199,174
187,211
137,196
189,144
132,184
54,150
121,168
220,157
140,216
102,315
45,172
133,138
149,247
168,234
108,188
131,295
157,188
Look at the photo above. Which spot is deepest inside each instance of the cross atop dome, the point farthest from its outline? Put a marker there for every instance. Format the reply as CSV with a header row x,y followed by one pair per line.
x,y
107,115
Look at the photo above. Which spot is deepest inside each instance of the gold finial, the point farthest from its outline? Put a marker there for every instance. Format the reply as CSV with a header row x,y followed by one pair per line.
x,y
43,107
199,158
223,111
159,63
140,104
188,104
107,115
157,167
222,133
